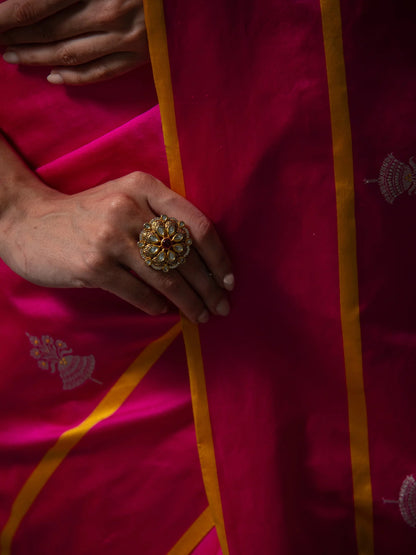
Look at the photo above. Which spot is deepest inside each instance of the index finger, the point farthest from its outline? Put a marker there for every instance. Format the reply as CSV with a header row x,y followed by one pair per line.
x,y
18,13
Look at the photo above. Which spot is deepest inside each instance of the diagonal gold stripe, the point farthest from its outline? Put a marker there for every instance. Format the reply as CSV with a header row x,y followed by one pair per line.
x,y
112,401
348,274
194,535
159,54
203,429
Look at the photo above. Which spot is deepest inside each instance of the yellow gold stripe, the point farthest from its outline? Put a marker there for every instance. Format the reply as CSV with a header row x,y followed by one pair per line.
x,y
112,401
194,535
203,427
348,274
158,47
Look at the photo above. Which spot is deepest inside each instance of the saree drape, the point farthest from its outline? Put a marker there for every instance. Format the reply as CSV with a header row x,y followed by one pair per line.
x,y
290,124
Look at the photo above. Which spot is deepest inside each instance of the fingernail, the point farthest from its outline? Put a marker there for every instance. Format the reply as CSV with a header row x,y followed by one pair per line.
x,y
204,317
229,282
10,57
223,308
55,79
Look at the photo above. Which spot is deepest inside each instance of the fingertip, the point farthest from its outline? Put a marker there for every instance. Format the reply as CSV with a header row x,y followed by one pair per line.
x,y
223,308
203,317
55,78
229,282
11,57
153,311
162,308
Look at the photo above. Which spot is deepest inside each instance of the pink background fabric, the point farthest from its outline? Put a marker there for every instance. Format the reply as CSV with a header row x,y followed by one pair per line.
x,y
381,81
253,120
254,125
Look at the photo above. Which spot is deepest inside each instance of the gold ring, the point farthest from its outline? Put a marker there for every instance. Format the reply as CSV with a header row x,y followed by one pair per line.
x,y
164,243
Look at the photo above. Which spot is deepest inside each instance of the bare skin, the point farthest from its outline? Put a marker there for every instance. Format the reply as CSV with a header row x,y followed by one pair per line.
x,y
82,41
89,240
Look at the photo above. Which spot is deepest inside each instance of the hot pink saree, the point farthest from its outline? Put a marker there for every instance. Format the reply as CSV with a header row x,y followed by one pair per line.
x,y
286,428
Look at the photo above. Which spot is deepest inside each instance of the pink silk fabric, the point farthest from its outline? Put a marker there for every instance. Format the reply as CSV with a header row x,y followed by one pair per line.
x,y
251,99
252,108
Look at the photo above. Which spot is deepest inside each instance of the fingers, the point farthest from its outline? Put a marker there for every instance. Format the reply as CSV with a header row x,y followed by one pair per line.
x,y
195,273
171,285
125,205
79,19
82,60
121,283
70,22
191,289
206,261
206,241
212,251
77,51
18,13
123,210
102,69
84,42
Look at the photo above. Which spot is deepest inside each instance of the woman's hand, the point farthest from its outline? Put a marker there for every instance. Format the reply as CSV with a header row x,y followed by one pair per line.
x,y
83,41
90,240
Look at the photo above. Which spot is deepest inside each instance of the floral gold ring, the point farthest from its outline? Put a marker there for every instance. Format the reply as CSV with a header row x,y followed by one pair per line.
x,y
164,243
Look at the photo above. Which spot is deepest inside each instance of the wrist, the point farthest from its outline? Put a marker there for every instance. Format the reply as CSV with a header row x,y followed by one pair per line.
x,y
20,192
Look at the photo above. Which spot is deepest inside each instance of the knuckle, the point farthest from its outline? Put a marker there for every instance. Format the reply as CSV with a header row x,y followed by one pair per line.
x,y
170,286
136,176
140,179
94,264
119,205
67,57
202,227
24,12
105,235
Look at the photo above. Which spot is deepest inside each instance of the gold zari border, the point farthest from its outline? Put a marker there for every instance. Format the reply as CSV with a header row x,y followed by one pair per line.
x,y
348,274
